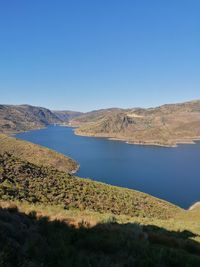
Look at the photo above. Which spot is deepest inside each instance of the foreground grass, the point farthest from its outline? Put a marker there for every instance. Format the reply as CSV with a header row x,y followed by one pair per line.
x,y
184,220
31,236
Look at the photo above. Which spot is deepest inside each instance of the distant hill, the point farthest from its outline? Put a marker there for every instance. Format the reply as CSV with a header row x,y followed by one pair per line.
x,y
166,125
15,118
66,115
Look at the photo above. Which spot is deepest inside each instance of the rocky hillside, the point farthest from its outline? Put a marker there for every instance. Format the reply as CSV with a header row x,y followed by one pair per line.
x,y
25,117
165,125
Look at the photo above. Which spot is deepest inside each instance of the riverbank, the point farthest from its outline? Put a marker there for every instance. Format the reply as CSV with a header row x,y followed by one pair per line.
x,y
37,154
195,205
172,143
151,170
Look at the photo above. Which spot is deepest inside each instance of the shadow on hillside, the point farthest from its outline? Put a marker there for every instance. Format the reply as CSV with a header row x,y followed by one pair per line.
x,y
28,241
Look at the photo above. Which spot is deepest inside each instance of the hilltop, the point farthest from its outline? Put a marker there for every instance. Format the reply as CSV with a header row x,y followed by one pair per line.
x,y
166,125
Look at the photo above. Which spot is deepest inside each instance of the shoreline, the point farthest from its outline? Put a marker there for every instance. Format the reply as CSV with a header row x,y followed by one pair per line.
x,y
73,172
195,205
14,135
184,141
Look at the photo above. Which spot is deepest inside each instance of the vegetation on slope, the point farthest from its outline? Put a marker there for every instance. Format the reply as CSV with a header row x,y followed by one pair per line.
x,y
64,220
21,180
15,118
27,239
36,154
165,125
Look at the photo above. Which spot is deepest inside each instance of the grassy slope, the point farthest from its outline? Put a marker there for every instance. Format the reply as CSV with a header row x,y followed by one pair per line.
x,y
36,154
182,220
165,125
89,223
29,238
27,182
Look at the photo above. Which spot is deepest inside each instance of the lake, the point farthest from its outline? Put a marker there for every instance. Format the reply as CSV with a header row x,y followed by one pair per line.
x,y
172,174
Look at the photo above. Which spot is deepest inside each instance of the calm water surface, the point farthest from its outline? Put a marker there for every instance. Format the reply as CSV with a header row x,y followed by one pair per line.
x,y
169,173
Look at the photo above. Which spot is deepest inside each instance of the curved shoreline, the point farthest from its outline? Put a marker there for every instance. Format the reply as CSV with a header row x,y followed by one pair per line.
x,y
195,205
74,171
183,141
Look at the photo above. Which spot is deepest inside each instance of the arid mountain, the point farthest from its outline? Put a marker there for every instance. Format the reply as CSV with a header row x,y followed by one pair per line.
x,y
166,125
15,118
66,115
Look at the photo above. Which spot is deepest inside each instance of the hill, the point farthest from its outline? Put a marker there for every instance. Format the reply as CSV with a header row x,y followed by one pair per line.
x,y
166,125
21,180
66,115
15,118
36,154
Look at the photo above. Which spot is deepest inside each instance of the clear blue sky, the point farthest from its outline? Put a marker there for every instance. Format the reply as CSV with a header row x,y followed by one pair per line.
x,y
90,54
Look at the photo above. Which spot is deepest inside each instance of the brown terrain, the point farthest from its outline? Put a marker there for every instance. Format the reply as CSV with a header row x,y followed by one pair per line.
x,y
167,125
17,118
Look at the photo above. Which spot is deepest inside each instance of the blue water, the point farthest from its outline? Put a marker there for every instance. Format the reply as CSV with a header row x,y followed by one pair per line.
x,y
172,174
